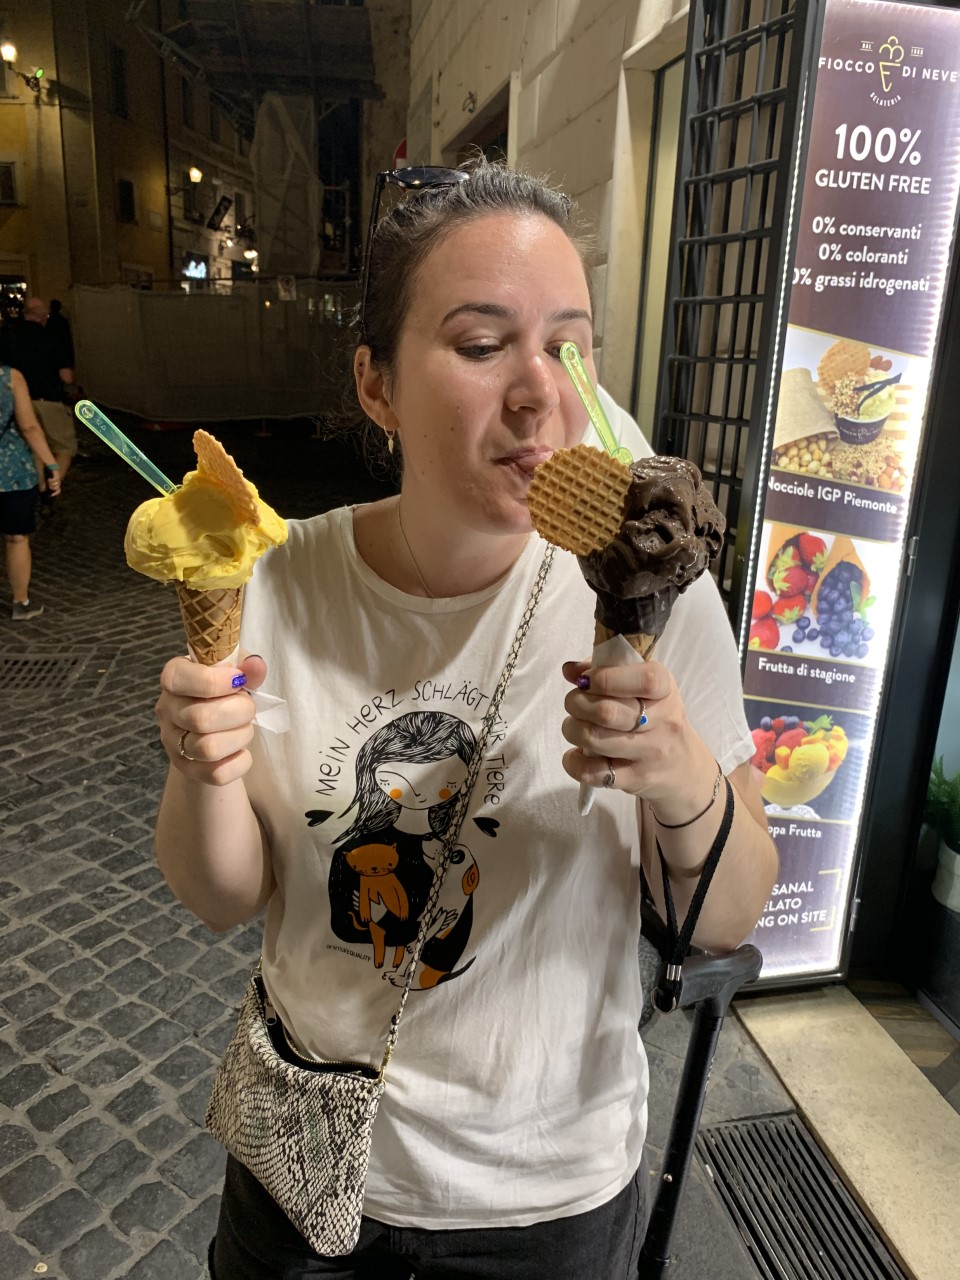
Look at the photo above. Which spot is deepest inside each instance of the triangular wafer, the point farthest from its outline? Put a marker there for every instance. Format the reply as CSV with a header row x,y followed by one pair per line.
x,y
577,497
215,463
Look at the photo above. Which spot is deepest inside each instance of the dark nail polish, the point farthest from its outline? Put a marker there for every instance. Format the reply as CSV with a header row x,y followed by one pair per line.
x,y
239,681
583,682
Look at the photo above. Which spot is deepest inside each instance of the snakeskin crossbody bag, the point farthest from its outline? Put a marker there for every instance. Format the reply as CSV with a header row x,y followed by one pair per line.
x,y
305,1131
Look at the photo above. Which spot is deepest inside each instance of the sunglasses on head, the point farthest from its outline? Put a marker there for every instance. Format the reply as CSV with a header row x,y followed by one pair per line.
x,y
416,178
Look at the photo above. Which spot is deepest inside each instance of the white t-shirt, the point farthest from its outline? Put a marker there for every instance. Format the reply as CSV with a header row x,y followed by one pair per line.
x,y
518,1089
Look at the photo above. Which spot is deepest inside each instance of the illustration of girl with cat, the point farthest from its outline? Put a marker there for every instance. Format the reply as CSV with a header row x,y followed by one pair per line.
x,y
408,775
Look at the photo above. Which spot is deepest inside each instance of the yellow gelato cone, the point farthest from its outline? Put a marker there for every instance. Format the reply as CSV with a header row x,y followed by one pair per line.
x,y
642,644
211,620
210,532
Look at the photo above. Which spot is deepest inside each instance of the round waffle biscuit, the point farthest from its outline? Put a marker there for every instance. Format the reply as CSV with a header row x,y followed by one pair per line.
x,y
577,498
843,357
215,463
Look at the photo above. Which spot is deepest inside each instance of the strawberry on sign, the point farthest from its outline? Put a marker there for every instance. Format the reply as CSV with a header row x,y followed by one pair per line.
x,y
789,608
762,604
813,551
764,634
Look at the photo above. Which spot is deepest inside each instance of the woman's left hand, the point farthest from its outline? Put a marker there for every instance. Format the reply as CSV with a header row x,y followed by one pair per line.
x,y
659,759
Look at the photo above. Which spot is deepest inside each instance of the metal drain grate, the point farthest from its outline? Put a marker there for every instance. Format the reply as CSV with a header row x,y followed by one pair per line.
x,y
796,1217
35,674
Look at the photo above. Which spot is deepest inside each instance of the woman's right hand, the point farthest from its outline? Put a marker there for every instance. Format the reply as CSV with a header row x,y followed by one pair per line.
x,y
206,718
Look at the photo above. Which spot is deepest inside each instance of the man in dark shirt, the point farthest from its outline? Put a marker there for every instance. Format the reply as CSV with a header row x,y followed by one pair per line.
x,y
59,326
47,366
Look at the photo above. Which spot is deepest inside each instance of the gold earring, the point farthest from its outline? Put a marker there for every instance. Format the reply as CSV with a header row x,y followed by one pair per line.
x,y
389,435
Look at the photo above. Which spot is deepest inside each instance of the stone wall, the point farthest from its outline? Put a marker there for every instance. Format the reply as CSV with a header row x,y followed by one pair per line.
x,y
580,77
33,235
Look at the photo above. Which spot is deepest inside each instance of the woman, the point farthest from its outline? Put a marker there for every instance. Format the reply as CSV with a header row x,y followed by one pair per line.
x,y
510,1136
23,452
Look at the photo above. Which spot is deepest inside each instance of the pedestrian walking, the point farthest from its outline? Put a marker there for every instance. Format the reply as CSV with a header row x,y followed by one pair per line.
x,y
24,454
47,365
59,326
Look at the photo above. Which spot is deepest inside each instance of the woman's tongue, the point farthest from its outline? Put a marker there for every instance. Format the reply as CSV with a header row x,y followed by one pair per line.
x,y
524,464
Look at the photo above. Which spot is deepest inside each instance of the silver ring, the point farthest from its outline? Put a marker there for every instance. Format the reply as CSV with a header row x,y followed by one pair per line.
x,y
183,754
642,718
610,777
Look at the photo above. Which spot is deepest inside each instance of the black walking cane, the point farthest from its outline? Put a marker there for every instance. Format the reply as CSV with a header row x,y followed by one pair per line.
x,y
708,984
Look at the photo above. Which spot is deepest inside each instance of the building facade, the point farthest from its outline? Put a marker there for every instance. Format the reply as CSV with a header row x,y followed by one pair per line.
x,y
95,160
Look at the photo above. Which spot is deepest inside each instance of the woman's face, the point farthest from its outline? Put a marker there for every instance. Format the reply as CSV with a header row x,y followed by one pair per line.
x,y
478,394
421,785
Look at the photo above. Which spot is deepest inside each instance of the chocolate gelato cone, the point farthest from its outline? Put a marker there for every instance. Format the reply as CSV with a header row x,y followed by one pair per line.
x,y
658,532
640,615
640,641
671,531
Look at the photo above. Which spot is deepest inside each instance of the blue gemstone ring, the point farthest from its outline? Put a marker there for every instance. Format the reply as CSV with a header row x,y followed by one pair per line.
x,y
641,718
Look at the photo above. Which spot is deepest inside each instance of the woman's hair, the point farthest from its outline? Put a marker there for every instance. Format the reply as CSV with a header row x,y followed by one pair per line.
x,y
420,221
420,737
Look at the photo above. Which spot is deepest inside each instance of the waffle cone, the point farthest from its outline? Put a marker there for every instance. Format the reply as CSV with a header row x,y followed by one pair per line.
x,y
211,620
638,641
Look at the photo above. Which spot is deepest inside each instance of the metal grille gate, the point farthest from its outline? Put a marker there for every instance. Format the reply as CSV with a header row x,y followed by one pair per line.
x,y
746,64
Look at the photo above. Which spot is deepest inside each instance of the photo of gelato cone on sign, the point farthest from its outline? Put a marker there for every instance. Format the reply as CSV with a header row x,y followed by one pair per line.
x,y
844,412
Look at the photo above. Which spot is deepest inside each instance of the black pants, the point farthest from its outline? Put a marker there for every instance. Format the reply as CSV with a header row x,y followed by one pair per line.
x,y
256,1241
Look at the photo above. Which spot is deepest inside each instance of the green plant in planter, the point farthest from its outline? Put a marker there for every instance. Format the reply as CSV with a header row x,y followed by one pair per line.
x,y
942,810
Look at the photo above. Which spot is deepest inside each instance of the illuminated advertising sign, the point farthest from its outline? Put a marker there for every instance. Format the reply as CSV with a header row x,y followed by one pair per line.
x,y
875,221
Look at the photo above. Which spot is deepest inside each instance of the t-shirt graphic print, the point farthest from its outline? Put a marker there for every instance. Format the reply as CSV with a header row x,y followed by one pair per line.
x,y
409,773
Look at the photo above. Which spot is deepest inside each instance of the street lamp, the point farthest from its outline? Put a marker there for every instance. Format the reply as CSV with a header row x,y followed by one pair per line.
x,y
8,52
194,174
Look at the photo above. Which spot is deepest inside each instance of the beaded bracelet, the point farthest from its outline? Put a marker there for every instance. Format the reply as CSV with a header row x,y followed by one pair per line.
x,y
677,826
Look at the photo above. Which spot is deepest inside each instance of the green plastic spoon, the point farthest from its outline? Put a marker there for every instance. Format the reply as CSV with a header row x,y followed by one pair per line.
x,y
110,434
574,366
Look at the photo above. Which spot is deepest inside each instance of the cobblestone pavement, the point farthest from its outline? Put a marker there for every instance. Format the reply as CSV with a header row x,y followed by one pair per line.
x,y
114,1002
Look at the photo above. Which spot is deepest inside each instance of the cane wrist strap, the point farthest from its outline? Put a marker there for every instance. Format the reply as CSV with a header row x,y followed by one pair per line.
x,y
669,981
